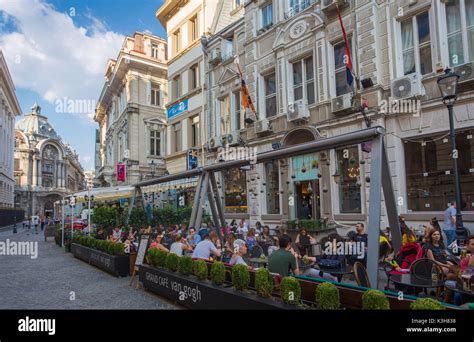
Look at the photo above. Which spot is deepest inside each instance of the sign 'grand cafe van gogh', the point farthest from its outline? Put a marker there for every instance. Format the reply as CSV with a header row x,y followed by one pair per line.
x,y
177,109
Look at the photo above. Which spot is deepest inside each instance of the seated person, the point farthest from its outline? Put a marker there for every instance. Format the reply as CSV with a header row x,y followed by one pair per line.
x,y
468,261
436,251
240,249
282,261
192,237
179,246
251,239
157,244
206,248
100,235
407,234
304,241
116,235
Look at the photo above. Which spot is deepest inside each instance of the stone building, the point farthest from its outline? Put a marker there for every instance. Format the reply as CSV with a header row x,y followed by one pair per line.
x,y
131,112
9,109
46,168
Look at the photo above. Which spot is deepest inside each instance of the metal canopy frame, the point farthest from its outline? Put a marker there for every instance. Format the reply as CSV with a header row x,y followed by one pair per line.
x,y
380,180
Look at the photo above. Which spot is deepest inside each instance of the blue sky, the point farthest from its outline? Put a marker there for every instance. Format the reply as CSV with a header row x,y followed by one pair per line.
x,y
57,51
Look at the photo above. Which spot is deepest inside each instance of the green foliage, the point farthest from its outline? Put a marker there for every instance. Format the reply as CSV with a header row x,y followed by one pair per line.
x,y
117,249
218,273
290,290
138,218
104,216
153,256
327,296
426,304
307,224
263,282
185,266
169,216
240,277
172,261
200,269
374,300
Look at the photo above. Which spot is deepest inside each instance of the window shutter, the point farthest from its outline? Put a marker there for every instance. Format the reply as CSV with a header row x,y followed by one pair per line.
x,y
291,93
321,70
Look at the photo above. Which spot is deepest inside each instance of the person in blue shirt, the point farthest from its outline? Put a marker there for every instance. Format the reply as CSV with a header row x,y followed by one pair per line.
x,y
449,225
193,238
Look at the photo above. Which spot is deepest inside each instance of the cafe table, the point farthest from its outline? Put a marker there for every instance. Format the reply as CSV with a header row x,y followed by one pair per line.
x,y
458,287
412,280
338,272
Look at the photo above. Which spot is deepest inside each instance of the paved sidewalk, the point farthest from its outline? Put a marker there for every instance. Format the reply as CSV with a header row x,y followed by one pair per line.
x,y
50,281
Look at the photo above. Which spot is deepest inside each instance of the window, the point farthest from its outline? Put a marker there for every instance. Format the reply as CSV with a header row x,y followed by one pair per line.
x,y
155,141
178,146
176,87
193,77
237,3
235,191
429,171
303,80
267,15
237,110
17,164
342,87
272,187
460,28
194,28
195,141
270,95
176,41
225,115
154,51
155,96
416,45
349,182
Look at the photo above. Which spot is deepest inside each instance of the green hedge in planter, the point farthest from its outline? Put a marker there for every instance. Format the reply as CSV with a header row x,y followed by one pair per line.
x,y
426,304
327,296
153,253
308,224
290,290
172,261
200,269
218,273
375,300
263,283
240,277
185,265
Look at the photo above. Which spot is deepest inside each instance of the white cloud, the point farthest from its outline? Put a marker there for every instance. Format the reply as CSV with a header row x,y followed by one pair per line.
x,y
85,159
49,54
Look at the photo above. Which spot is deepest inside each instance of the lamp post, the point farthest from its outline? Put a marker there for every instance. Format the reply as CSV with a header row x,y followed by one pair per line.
x,y
14,213
72,203
447,84
89,199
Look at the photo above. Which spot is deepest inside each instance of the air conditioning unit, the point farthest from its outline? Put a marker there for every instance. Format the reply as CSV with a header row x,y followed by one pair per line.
x,y
407,87
233,138
215,56
329,5
342,103
298,110
262,126
215,142
465,71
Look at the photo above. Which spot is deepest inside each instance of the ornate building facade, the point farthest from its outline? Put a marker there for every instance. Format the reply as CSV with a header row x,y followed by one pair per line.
x,y
46,169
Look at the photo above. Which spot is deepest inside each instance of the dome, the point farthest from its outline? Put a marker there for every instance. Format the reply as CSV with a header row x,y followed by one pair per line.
x,y
36,124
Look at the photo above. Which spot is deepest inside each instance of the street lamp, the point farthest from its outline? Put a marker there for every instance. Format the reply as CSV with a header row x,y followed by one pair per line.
x,y
89,199
447,84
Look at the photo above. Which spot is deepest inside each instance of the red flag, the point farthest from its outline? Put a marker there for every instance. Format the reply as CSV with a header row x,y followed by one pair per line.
x,y
350,77
246,99
120,172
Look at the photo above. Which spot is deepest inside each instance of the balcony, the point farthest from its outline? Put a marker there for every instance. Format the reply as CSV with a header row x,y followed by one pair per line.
x,y
299,7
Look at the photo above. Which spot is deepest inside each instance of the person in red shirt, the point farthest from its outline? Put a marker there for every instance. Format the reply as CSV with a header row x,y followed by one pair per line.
x,y
468,261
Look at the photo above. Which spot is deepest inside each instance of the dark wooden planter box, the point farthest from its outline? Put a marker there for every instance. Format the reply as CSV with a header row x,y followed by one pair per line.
x,y
195,294
118,266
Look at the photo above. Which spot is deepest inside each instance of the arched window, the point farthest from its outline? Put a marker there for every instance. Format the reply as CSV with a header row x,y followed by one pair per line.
x,y
49,157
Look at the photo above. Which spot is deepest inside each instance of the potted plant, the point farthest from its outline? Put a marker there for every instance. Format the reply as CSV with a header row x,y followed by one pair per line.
x,y
200,269
240,277
290,290
375,300
263,283
218,273
327,296
426,304
172,261
185,266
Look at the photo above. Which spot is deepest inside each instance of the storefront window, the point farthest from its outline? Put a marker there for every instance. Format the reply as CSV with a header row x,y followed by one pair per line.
x,y
349,182
235,191
429,171
272,187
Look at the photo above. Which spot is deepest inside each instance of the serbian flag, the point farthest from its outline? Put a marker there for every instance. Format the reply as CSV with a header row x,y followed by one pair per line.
x,y
348,59
120,172
246,99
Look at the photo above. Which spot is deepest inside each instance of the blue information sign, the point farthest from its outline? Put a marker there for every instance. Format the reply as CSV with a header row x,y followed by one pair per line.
x,y
178,108
192,159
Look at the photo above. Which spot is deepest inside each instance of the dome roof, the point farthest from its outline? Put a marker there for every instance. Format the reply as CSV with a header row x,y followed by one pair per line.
x,y
36,124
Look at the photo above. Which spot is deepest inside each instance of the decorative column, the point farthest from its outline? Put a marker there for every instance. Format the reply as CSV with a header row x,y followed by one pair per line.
x,y
34,167
40,173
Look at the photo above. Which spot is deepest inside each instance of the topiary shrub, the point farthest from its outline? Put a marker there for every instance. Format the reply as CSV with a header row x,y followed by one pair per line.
x,y
200,269
218,273
153,254
118,249
161,258
375,300
172,261
240,277
290,290
426,304
263,283
327,296
185,265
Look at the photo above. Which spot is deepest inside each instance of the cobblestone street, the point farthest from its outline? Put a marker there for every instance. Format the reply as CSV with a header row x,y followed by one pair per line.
x,y
47,282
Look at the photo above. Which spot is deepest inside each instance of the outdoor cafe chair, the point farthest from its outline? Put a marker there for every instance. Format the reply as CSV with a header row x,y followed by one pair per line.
x,y
360,273
423,268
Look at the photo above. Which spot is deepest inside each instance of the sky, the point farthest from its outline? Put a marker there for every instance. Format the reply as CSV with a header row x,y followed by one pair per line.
x,y
57,51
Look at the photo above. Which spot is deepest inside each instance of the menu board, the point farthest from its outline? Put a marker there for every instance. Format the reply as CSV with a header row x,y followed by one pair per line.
x,y
142,248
